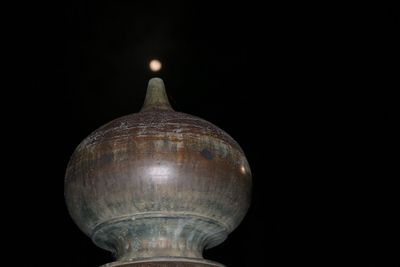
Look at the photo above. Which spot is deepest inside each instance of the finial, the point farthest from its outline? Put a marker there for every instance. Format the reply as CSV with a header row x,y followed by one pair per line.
x,y
156,97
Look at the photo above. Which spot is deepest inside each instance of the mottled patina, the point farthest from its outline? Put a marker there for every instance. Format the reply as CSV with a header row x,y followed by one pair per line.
x,y
158,183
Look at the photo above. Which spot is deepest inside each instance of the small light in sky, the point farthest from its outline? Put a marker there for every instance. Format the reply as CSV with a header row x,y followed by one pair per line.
x,y
155,65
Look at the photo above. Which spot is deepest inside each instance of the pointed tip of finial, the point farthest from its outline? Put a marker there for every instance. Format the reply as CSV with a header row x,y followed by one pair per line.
x,y
156,96
156,82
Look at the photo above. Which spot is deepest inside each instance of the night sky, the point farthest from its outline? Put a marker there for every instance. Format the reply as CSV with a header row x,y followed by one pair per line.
x,y
306,90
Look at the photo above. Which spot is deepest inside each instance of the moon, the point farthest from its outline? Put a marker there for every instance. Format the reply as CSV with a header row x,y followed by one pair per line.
x,y
155,65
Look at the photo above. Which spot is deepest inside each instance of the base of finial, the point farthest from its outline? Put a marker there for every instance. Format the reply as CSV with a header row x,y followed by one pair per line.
x,y
165,262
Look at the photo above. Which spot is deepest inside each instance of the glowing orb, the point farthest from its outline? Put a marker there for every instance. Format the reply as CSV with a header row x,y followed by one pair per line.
x,y
155,65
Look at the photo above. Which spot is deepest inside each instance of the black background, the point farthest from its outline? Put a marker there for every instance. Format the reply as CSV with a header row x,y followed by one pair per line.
x,y
306,90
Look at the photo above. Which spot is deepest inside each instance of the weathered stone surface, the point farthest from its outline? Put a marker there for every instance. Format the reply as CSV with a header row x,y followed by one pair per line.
x,y
158,183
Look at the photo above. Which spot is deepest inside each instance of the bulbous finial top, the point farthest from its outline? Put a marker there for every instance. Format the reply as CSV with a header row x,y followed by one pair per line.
x,y
157,187
156,97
